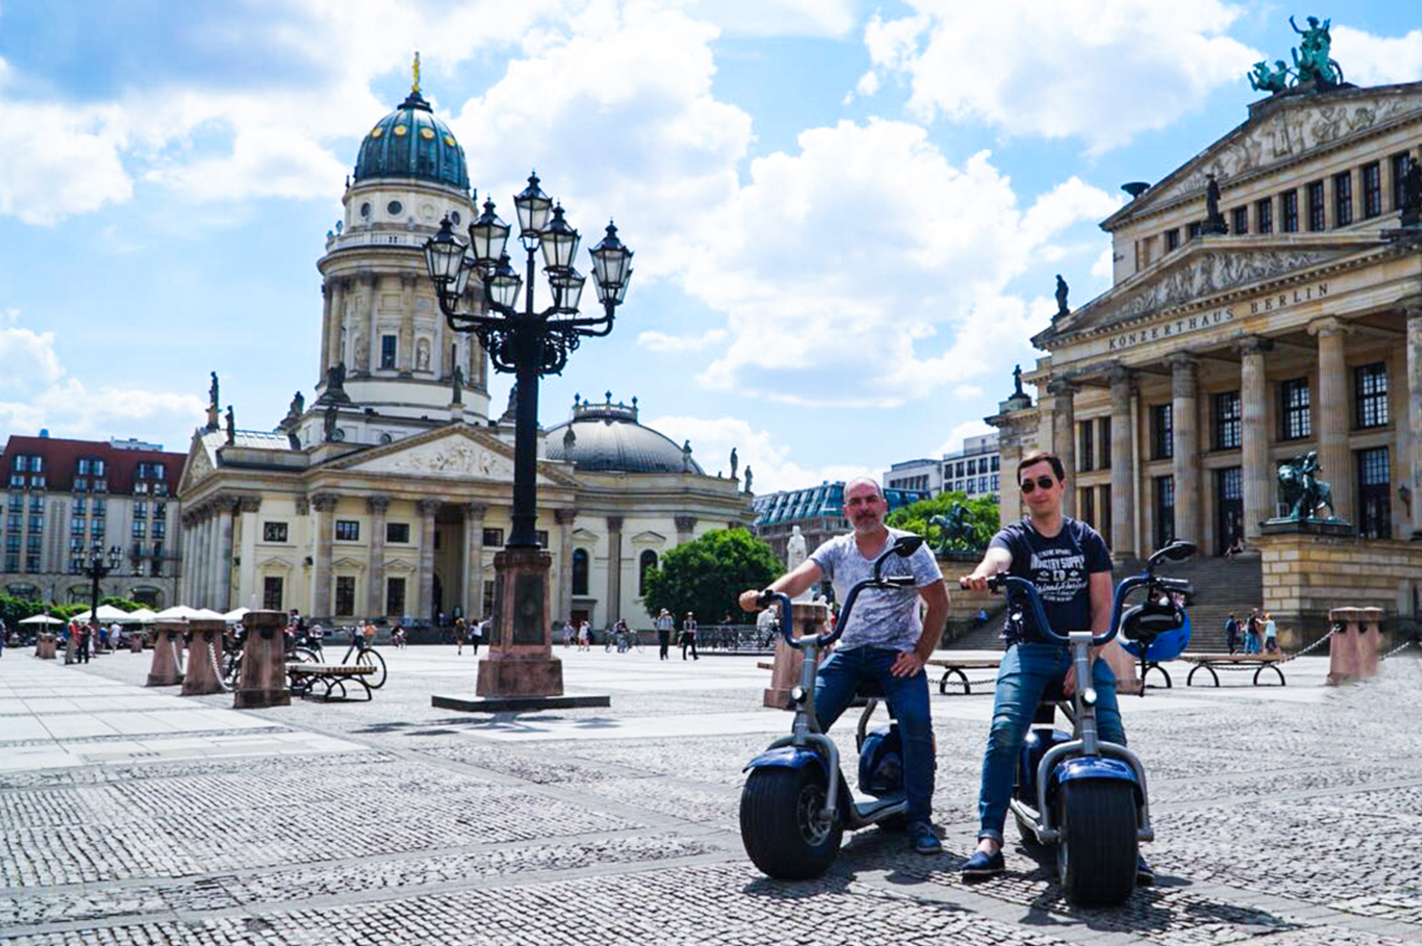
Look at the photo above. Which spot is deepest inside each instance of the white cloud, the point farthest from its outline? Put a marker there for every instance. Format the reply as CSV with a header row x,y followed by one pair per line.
x,y
967,391
1377,60
713,438
74,167
1102,70
50,397
1104,269
661,342
779,18
956,436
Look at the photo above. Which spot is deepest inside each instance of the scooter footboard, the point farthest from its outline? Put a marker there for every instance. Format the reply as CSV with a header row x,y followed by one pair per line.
x,y
1114,761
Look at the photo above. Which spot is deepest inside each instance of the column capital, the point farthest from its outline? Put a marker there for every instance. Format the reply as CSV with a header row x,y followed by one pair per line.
x,y
377,503
367,278
1329,326
1411,307
1062,387
249,503
685,523
614,523
476,511
324,502
564,516
1120,374
428,507
303,506
1254,345
407,279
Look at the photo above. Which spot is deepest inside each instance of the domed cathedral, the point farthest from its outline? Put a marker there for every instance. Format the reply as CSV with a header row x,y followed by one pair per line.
x,y
388,494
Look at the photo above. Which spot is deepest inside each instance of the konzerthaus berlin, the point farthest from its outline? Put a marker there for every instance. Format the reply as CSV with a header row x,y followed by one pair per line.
x,y
1214,356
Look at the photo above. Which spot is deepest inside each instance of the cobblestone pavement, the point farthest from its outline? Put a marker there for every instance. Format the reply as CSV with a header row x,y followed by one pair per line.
x,y
131,815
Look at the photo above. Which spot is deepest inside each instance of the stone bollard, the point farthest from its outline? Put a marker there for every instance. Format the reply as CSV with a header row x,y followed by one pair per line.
x,y
164,670
45,646
204,658
263,662
1369,642
807,618
135,642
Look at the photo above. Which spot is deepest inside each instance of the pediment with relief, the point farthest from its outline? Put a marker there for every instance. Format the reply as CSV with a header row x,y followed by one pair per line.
x,y
197,468
454,454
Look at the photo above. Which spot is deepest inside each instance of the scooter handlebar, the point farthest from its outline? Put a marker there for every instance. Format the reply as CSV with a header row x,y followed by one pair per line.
x,y
1012,583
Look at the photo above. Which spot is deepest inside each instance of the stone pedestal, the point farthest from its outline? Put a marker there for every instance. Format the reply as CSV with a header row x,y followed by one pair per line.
x,y
204,675
135,641
164,670
807,619
45,645
1124,666
263,662
1353,648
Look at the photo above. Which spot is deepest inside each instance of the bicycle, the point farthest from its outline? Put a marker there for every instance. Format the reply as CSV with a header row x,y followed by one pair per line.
x,y
366,656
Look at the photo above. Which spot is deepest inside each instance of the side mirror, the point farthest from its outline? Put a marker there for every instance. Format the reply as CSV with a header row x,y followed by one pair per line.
x,y
906,545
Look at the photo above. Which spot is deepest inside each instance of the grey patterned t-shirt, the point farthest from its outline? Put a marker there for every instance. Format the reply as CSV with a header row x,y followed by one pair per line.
x,y
882,617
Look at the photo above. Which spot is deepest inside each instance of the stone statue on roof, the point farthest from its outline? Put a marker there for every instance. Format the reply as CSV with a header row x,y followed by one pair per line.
x,y
749,476
1062,308
735,462
1017,382
456,381
686,457
1311,58
231,426
1263,79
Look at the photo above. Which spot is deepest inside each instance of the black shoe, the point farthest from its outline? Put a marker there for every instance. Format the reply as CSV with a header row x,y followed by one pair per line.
x,y
1145,874
923,839
982,864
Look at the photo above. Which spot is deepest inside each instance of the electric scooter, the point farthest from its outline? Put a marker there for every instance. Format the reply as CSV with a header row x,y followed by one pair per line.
x,y
1077,794
795,804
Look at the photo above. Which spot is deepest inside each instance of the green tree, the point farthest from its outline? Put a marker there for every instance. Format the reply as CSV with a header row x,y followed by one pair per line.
x,y
706,575
123,604
982,515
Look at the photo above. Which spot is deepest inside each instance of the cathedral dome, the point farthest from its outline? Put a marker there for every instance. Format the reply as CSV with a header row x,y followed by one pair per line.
x,y
606,438
411,142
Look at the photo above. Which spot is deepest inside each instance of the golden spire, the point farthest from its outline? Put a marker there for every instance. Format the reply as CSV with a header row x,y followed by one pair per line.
x,y
416,86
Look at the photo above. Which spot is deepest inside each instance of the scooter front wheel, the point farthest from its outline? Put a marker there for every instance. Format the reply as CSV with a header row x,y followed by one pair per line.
x,y
783,823
1097,847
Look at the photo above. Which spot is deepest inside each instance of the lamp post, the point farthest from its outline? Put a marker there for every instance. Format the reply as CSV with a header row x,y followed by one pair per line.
x,y
529,344
99,566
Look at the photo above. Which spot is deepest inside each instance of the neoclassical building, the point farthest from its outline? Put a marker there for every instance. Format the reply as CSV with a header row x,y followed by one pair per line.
x,y
389,494
1267,303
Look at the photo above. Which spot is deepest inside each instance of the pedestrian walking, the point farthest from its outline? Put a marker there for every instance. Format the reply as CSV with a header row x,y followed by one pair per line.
x,y
476,634
86,639
461,631
688,636
1252,629
569,632
584,636
665,624
1271,634
1232,633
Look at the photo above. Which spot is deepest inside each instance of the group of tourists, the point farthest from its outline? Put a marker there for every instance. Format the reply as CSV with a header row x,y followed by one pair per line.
x,y
468,632
1261,633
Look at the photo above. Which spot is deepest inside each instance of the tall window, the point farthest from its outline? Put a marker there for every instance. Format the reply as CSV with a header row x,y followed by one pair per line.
x,y
345,595
1103,437
580,571
493,537
1343,199
387,360
1086,458
1193,230
1264,216
1164,511
1162,432
1374,498
645,564
1172,239
271,593
1315,207
1240,223
347,530
1290,211
1296,423
1400,163
399,533
1227,420
1229,505
394,596
140,510
1370,395
1372,190
1086,501
1103,503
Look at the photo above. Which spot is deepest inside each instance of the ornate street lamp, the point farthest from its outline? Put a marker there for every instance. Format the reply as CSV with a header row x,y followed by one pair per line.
x,y
99,566
529,344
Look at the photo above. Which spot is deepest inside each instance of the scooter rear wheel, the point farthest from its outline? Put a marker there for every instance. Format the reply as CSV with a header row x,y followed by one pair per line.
x,y
1097,848
783,825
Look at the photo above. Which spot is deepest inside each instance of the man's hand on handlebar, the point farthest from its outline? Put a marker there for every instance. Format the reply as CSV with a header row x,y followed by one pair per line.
x,y
750,600
977,581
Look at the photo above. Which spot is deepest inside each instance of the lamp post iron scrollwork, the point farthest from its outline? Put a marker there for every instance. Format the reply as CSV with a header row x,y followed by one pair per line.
x,y
97,566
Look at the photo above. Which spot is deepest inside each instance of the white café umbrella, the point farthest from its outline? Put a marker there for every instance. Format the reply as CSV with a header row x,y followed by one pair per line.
x,y
141,616
107,613
178,612
41,619
235,615
205,614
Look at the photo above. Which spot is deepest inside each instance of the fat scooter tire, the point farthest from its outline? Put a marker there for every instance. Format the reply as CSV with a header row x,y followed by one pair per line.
x,y
1097,847
778,827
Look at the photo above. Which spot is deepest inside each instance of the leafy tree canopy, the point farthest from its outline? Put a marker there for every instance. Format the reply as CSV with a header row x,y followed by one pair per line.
x,y
706,575
982,516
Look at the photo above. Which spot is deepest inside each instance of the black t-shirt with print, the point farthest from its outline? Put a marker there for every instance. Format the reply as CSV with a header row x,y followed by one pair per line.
x,y
1059,566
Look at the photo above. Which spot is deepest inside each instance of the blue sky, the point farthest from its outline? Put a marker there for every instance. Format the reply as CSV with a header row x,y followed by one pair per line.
x,y
847,216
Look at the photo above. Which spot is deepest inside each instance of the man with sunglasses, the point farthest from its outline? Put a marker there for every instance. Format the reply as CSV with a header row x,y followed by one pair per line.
x,y
885,641
1069,563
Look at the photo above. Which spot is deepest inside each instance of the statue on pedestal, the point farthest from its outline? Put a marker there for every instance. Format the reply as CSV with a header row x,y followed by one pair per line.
x,y
456,381
735,461
212,406
1301,488
231,426
748,479
1062,307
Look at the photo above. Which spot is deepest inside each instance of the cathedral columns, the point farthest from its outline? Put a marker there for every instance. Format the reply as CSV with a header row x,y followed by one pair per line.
x,y
1334,417
685,526
1123,471
427,509
375,564
1185,389
614,568
474,560
336,321
406,344
365,323
1254,433
322,506
226,507
565,519
1064,437
1412,468
247,579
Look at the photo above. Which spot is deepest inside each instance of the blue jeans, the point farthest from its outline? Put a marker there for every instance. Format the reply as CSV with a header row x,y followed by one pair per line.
x,y
1022,677
835,686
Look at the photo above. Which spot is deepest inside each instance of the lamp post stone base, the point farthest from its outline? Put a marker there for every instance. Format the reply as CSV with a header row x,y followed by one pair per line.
x,y
807,619
164,672
263,662
204,659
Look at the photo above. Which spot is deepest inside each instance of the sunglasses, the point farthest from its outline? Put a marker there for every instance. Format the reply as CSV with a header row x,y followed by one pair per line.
x,y
1042,482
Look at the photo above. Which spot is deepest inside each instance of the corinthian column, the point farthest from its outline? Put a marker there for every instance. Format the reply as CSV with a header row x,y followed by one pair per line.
x,y
1185,389
1333,414
474,560
1413,465
407,324
375,564
1254,440
323,505
225,509
614,568
564,600
1064,437
427,509
1123,472
332,350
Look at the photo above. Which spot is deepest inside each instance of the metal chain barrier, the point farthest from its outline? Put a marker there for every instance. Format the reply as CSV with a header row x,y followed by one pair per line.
x,y
1399,648
1314,646
216,669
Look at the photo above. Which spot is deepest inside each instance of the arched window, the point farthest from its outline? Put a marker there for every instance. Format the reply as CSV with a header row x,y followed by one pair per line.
x,y
647,562
580,571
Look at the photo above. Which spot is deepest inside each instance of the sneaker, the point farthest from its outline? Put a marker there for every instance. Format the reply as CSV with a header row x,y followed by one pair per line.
x,y
1145,874
982,864
923,838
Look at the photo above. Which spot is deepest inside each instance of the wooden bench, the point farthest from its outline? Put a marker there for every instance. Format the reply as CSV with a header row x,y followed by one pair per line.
x,y
333,677
1208,663
957,666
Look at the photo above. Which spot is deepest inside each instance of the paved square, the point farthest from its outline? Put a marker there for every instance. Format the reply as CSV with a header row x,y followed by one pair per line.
x,y
134,815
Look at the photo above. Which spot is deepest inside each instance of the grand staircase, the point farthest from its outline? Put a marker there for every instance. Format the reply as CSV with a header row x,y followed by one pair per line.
x,y
1220,587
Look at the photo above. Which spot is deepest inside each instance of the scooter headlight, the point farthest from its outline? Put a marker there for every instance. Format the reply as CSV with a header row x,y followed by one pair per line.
x,y
797,695
1088,696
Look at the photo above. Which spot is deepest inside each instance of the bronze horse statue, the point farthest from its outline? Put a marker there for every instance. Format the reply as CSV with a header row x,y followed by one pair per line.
x,y
1302,490
956,531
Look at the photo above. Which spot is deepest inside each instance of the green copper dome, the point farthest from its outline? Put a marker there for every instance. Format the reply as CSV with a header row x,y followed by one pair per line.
x,y
411,142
